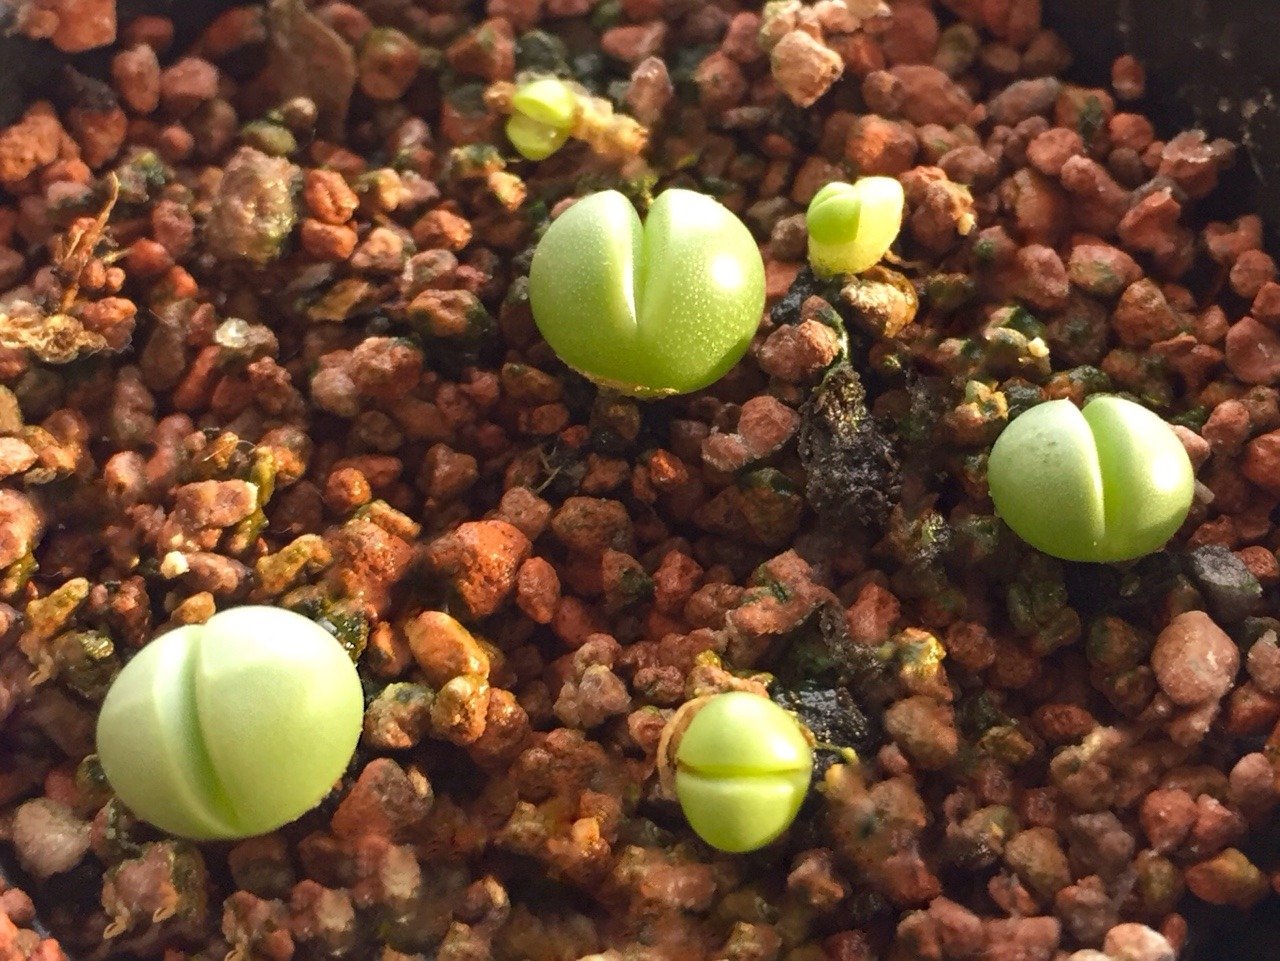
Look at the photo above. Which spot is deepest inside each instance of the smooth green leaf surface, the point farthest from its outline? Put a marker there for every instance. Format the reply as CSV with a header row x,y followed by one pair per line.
x,y
1109,483
742,771
231,728
743,733
852,226
667,306
737,814
533,139
547,100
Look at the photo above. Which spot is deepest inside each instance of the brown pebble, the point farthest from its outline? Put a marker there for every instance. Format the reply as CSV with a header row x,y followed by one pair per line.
x,y
444,648
1263,663
1230,878
479,559
1194,659
537,590
803,68
1137,942
1261,462
1253,352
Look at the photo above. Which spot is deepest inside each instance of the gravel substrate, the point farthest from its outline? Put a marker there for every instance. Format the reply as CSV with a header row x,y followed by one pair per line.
x,y
266,339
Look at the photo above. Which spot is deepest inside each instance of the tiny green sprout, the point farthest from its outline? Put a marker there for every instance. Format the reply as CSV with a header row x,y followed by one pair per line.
x,y
542,114
1109,483
742,771
851,226
231,728
663,307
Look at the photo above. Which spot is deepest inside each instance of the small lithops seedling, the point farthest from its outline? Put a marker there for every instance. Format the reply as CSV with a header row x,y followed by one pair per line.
x,y
1109,483
663,307
233,727
851,226
742,771
542,114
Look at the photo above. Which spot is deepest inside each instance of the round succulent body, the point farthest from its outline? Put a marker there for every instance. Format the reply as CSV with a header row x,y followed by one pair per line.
x,y
742,771
852,226
1111,482
666,306
231,728
542,116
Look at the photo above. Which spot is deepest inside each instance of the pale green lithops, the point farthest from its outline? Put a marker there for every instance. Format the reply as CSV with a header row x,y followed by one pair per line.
x,y
231,728
1109,483
742,771
542,115
852,226
661,307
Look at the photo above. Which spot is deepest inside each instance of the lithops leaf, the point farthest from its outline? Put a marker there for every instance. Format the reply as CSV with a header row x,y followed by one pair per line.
x,y
743,768
663,307
852,226
1109,483
231,728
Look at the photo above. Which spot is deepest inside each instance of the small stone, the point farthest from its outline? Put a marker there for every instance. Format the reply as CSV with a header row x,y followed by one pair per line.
x,y
399,717
215,503
1253,352
803,68
1230,878
1137,942
136,73
187,84
48,837
634,42
925,730
444,648
1036,856
1194,660
1102,270
766,424
1263,663
1144,316
1231,589
84,24
1261,462
20,527
29,144
650,90
16,455
256,211
480,560
385,801
797,352
930,96
388,62
1167,817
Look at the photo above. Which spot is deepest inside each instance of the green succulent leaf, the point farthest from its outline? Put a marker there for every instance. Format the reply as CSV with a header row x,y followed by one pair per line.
x,y
548,101
542,115
742,771
1109,483
852,226
667,306
533,139
231,728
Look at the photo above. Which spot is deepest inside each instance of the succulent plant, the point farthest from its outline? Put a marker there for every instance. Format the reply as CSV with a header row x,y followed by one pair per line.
x,y
666,306
233,727
1111,482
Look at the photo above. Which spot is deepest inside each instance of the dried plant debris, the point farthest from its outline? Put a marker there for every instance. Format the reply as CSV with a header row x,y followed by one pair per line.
x,y
852,466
